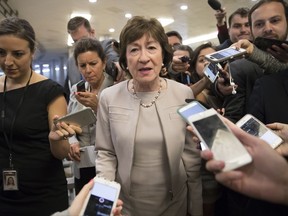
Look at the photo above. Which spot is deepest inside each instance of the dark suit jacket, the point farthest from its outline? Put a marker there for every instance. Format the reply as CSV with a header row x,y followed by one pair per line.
x,y
244,74
269,98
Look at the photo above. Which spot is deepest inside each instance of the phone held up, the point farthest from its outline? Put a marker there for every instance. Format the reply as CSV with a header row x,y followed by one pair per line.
x,y
255,127
185,59
81,86
216,136
265,43
225,54
80,118
211,71
102,198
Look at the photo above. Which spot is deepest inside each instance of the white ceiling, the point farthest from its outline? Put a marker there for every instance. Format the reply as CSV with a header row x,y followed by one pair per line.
x,y
49,18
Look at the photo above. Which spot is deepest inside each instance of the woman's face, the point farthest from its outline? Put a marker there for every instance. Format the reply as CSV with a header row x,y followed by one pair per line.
x,y
201,61
15,56
144,59
91,66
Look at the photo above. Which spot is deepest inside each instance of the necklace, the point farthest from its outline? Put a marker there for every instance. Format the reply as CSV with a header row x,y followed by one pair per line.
x,y
154,99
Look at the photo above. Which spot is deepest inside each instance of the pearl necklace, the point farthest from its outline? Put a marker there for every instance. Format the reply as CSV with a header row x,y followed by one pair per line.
x,y
154,99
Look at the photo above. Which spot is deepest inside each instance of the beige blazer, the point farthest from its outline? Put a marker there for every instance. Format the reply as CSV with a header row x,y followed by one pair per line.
x,y
117,117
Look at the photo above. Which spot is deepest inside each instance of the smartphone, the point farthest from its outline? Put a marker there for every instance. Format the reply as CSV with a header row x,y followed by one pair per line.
x,y
211,71
81,86
80,118
102,198
225,54
185,59
265,43
192,108
217,137
253,126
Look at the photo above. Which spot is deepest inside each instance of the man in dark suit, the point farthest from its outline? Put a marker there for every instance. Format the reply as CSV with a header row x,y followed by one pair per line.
x,y
267,19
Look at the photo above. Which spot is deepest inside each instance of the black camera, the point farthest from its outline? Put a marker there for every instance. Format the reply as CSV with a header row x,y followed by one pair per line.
x,y
185,59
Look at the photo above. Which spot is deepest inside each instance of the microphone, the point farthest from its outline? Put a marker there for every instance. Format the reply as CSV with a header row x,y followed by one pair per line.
x,y
215,4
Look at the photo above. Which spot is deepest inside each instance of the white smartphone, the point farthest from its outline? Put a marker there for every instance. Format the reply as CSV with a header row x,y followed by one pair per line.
x,y
80,118
253,126
217,137
102,198
192,108
225,54
211,71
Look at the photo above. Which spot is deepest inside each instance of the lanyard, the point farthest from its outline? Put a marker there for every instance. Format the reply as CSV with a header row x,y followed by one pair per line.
x,y
3,115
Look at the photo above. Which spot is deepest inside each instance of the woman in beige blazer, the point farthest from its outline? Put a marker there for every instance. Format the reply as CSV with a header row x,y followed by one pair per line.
x,y
141,141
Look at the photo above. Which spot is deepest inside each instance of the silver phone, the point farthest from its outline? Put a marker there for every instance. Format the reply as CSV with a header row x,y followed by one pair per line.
x,y
253,126
217,137
80,118
225,54
211,71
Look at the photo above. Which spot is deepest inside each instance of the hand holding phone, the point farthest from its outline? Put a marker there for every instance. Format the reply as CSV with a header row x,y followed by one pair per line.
x,y
102,198
265,43
211,71
255,127
81,86
80,118
225,54
216,136
185,59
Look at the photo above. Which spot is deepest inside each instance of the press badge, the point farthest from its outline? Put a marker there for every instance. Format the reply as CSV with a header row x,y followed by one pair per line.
x,y
10,180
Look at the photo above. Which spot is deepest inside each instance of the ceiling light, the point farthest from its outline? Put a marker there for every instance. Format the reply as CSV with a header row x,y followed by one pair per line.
x,y
111,30
128,15
85,15
184,7
92,1
200,38
165,21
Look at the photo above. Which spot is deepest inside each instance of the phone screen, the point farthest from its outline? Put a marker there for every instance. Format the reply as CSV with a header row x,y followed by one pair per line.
x,y
225,53
253,127
211,71
191,109
101,200
222,142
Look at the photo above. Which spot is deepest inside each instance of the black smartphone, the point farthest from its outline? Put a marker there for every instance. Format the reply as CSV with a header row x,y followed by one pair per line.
x,y
265,43
81,86
185,59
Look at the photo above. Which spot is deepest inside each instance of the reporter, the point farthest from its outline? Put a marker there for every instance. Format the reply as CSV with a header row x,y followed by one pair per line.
x,y
259,179
77,204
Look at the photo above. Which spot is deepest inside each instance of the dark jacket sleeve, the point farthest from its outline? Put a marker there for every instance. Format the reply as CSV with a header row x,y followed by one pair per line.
x,y
111,55
244,74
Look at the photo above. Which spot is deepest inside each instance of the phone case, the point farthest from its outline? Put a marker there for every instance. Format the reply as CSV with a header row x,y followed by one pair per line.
x,y
81,118
225,54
